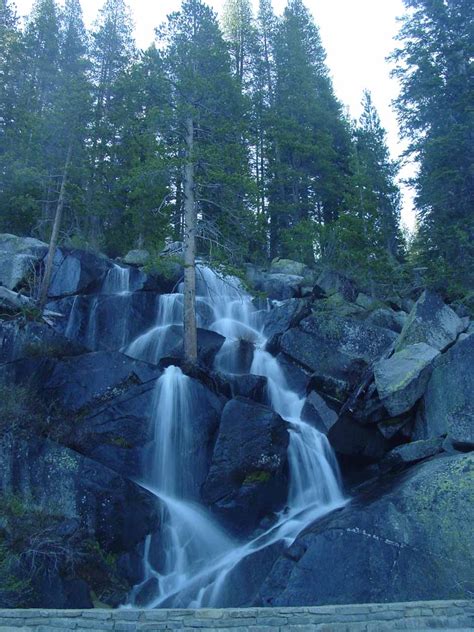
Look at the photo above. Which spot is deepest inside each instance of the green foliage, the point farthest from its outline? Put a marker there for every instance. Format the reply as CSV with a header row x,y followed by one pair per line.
x,y
279,170
166,266
434,66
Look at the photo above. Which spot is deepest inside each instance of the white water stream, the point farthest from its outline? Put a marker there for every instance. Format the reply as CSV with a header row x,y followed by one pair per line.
x,y
197,556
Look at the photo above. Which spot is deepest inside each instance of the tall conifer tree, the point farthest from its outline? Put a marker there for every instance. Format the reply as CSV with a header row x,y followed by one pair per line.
x,y
434,66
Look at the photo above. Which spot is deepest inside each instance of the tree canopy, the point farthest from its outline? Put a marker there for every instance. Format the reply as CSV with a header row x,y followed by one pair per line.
x,y
279,169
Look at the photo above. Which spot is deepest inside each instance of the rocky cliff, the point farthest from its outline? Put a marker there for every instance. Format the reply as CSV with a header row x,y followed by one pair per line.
x,y
391,385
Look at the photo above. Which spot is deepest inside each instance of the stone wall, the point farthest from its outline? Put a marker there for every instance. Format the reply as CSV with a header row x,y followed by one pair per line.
x,y
452,615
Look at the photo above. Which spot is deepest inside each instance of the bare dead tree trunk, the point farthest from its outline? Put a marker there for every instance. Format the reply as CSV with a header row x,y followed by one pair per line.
x,y
190,226
53,242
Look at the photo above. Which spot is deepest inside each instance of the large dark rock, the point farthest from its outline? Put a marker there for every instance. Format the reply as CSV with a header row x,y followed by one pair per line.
x,y
20,339
249,386
116,432
75,270
113,511
331,282
29,372
448,403
336,350
138,257
288,266
248,478
402,378
412,452
76,383
318,413
169,343
297,377
388,319
117,428
354,338
356,444
412,543
285,315
432,322
65,520
245,579
279,287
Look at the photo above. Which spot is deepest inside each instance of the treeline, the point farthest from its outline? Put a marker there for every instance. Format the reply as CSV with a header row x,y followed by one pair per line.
x,y
278,169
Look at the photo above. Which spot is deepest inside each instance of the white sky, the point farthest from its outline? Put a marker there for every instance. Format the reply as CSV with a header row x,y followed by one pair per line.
x,y
357,35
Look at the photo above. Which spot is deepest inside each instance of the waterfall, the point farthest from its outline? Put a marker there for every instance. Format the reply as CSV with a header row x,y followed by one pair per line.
x,y
198,556
117,285
189,538
151,345
117,280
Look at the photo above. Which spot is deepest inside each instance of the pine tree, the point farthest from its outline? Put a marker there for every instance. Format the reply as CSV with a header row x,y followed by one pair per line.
x,y
261,89
28,171
434,66
142,159
311,143
9,51
113,51
381,191
368,231
207,115
240,33
69,122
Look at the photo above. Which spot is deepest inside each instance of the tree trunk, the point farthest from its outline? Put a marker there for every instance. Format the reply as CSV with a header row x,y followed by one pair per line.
x,y
190,221
55,233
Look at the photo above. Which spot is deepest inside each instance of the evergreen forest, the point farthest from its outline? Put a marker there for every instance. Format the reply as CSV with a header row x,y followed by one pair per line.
x,y
279,169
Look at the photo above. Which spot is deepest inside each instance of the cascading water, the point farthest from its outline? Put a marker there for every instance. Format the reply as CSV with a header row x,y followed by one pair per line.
x,y
151,345
189,538
199,557
116,283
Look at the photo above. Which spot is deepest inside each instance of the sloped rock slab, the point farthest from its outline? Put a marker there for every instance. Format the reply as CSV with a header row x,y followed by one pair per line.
x,y
114,511
402,379
413,542
431,322
448,403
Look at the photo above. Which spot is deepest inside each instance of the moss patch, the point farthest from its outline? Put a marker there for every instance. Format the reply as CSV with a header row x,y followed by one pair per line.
x,y
258,476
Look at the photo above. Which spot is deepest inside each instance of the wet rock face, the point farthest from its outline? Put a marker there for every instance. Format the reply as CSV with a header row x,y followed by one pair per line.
x,y
318,413
77,383
87,318
248,477
411,541
281,287
75,270
284,315
20,340
72,461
